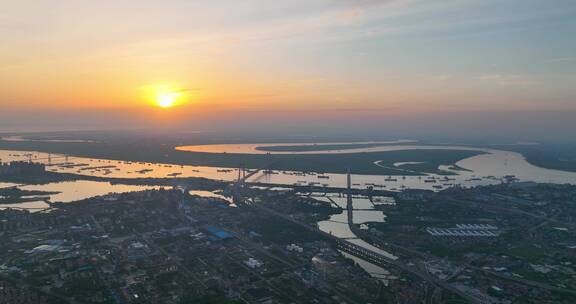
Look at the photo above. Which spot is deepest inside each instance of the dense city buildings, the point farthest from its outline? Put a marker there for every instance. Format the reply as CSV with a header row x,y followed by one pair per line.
x,y
168,246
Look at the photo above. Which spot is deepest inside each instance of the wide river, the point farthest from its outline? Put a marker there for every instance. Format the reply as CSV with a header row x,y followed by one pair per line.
x,y
488,168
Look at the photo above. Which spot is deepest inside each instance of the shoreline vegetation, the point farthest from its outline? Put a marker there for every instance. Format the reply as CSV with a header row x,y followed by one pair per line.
x,y
360,162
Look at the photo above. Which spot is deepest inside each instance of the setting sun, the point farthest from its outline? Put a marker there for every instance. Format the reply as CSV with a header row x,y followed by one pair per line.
x,y
165,96
167,100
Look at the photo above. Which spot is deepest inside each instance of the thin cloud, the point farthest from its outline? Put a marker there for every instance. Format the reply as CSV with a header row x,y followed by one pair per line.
x,y
506,80
562,59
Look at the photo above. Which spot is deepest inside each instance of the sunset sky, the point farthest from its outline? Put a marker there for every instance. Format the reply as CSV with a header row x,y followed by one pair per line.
x,y
358,58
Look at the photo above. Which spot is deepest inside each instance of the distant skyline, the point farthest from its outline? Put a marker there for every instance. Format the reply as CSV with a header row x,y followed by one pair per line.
x,y
91,64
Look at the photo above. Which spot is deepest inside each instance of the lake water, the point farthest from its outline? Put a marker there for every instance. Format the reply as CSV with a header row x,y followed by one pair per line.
x,y
78,190
70,191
